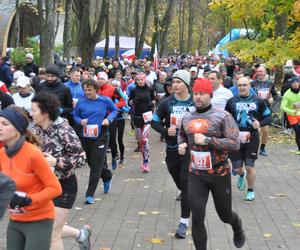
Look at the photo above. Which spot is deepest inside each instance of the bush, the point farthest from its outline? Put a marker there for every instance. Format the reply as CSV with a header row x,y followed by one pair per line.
x,y
17,57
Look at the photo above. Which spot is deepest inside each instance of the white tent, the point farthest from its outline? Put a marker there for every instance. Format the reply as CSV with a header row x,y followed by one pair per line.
x,y
125,43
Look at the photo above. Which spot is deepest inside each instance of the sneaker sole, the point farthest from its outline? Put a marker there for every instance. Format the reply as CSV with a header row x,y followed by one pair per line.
x,y
180,236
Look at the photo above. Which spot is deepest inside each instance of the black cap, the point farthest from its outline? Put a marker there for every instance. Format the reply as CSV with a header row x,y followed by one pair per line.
x,y
53,70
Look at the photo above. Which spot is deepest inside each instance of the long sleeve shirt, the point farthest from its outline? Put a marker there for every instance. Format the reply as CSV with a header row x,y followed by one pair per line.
x,y
33,176
95,111
223,134
289,99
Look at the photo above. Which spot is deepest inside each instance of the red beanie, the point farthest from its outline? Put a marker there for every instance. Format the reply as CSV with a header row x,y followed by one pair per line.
x,y
202,85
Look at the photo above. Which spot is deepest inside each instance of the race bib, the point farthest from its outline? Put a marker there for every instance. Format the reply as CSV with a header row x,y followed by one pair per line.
x,y
175,120
75,100
147,116
91,131
244,137
263,93
201,160
297,105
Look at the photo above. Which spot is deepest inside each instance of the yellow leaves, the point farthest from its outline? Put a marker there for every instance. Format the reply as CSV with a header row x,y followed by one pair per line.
x,y
156,241
142,213
296,224
267,235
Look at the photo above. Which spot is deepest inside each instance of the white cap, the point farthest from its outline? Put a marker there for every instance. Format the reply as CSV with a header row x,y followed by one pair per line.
x,y
289,63
193,69
29,55
17,74
23,81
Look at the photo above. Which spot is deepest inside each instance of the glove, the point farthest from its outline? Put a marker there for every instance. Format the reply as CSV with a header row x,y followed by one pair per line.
x,y
19,201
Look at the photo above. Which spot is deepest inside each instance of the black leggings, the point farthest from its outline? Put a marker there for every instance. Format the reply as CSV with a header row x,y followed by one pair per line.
x,y
113,138
198,191
296,128
121,128
178,166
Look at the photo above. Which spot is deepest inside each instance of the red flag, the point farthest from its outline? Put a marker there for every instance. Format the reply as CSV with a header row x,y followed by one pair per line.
x,y
129,54
155,58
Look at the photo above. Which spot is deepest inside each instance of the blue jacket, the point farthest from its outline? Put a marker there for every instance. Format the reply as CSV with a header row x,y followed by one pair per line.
x,y
76,89
5,74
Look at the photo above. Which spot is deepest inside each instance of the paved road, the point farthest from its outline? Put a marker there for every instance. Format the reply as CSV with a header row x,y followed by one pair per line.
x,y
142,207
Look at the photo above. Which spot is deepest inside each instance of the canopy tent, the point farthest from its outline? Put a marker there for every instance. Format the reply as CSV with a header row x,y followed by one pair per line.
x,y
126,43
231,36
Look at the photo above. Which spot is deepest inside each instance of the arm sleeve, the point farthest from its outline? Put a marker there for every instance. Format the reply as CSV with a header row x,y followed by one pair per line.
x,y
284,106
231,140
121,102
74,156
68,108
7,189
52,187
76,113
113,111
182,137
266,117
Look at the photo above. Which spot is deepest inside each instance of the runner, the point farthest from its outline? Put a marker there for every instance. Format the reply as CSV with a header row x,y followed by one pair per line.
x,y
264,89
63,152
92,113
166,121
250,113
141,100
31,209
291,105
209,134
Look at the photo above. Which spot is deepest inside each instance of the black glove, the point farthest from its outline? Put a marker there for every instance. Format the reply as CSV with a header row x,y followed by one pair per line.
x,y
19,201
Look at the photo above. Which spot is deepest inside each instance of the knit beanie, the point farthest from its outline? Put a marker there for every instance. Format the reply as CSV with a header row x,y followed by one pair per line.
x,y
183,75
202,85
53,70
15,118
102,75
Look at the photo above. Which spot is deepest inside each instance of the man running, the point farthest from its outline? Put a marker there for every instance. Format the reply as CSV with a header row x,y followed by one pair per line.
x,y
209,134
250,113
167,121
264,89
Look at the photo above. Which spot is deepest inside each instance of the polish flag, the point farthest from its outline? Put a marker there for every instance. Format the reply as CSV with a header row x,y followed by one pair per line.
x,y
129,54
155,58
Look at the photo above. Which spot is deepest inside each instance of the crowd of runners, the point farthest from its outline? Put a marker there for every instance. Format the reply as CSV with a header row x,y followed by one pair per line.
x,y
213,114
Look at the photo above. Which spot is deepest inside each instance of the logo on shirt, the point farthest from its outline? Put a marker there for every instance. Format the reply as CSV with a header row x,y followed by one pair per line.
x,y
198,126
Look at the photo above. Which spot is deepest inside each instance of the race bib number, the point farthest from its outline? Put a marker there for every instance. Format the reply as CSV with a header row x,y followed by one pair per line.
x,y
244,137
91,131
147,116
263,93
75,100
297,105
175,120
201,160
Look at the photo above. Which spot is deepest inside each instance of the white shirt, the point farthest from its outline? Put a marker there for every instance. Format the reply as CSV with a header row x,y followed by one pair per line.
x,y
151,77
220,97
23,102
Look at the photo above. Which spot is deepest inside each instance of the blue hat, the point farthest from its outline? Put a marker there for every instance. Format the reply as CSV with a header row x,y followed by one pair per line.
x,y
15,118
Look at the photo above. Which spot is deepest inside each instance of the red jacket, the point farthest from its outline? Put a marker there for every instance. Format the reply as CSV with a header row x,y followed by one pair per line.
x,y
113,93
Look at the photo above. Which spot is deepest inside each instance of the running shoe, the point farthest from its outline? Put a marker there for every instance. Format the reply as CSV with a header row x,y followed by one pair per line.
x,y
239,236
250,196
114,163
241,182
89,200
146,168
138,149
122,161
263,152
84,238
181,231
108,150
107,186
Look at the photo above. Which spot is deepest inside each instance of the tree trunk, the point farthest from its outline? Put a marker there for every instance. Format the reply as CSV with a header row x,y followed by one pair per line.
x,y
144,28
86,39
106,48
155,34
47,30
17,25
136,24
190,27
181,25
118,17
165,26
67,29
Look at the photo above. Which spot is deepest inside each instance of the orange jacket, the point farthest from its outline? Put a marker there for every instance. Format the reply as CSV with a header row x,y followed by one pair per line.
x,y
33,176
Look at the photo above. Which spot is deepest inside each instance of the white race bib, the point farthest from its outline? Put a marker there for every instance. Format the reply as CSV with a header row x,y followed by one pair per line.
x,y
91,131
244,137
263,93
175,120
201,160
147,116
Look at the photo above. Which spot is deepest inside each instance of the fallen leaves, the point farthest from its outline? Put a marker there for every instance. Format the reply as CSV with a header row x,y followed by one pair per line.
x,y
156,241
267,235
